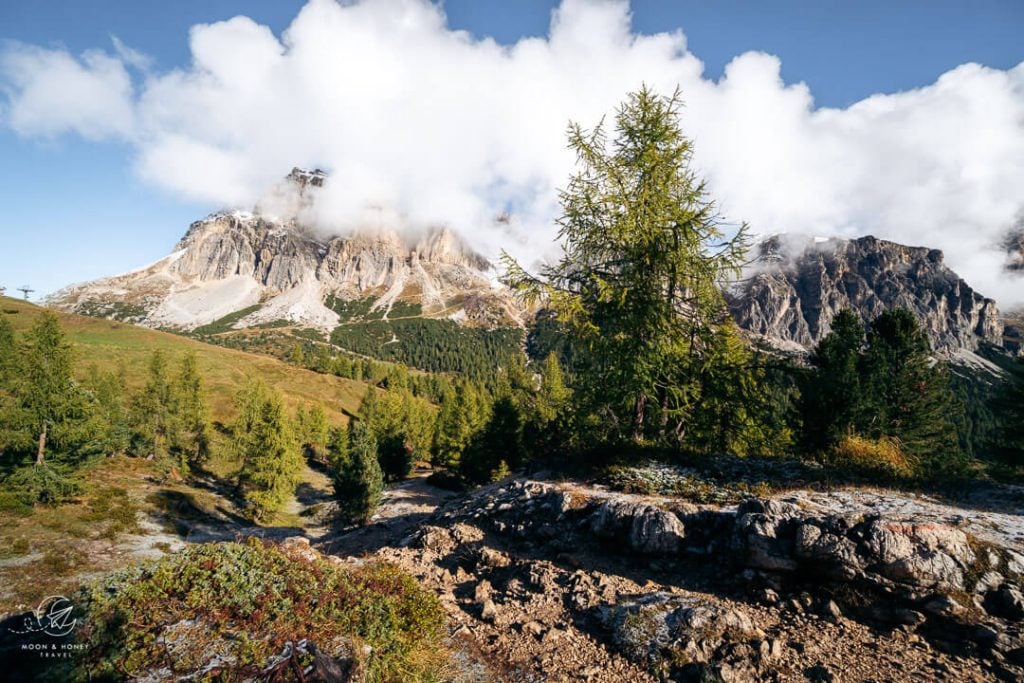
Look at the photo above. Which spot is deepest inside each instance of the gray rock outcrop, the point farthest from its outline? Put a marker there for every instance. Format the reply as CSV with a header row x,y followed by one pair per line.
x,y
794,290
232,261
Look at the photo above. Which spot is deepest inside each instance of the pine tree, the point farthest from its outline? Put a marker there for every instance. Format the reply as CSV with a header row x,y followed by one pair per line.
x,y
396,456
359,483
194,433
907,394
49,395
153,415
833,402
313,431
884,385
1009,409
498,447
272,461
639,289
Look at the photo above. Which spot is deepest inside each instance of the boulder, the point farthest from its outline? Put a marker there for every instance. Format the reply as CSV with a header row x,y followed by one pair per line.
x,y
646,528
657,629
1006,602
917,556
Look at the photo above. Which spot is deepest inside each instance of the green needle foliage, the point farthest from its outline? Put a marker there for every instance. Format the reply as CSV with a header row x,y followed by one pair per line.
x,y
192,413
338,451
153,413
498,447
402,426
265,440
359,481
884,385
639,289
1009,408
313,431
461,415
50,399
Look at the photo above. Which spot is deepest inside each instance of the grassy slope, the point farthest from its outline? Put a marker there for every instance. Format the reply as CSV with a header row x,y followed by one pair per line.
x,y
107,343
49,550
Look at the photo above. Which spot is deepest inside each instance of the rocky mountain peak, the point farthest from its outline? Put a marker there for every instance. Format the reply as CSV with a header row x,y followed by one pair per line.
x,y
231,261
791,293
305,178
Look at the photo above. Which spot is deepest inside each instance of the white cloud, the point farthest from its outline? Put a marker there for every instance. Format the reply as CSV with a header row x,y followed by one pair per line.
x,y
51,92
438,126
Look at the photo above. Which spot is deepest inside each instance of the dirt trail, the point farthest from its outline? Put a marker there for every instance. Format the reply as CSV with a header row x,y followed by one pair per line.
x,y
404,506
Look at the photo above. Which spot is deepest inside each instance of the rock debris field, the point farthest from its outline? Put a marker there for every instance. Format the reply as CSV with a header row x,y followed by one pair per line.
x,y
566,581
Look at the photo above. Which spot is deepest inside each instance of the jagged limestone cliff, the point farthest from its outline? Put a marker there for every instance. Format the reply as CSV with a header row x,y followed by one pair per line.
x,y
797,285
230,262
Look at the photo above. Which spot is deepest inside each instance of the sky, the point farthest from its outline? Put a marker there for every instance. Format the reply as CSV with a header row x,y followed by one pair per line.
x,y
122,122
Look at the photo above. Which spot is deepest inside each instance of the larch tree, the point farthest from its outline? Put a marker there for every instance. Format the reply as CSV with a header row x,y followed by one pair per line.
x,y
194,432
639,287
10,408
110,413
313,431
462,414
272,463
338,450
49,394
547,420
153,411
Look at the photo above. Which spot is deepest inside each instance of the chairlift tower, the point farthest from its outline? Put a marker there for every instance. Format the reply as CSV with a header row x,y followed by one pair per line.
x,y
26,290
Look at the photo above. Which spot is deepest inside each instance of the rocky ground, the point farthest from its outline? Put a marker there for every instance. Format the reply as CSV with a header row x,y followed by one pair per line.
x,y
564,581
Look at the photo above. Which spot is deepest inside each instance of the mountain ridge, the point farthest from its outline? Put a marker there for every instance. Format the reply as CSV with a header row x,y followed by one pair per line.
x,y
232,261
797,284
268,266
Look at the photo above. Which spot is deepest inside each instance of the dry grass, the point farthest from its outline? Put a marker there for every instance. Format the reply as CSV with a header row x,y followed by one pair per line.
x,y
107,343
882,456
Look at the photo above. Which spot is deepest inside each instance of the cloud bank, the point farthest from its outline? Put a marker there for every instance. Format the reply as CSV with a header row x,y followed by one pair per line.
x,y
426,125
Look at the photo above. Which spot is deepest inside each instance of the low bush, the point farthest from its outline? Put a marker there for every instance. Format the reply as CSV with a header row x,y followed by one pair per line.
x,y
882,456
43,484
240,603
115,506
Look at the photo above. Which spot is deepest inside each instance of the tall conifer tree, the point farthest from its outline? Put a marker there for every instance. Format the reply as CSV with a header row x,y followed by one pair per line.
x,y
359,483
640,286
49,395
272,461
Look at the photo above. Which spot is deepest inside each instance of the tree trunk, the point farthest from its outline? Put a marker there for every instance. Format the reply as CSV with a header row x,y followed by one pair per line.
x,y
663,426
638,416
41,451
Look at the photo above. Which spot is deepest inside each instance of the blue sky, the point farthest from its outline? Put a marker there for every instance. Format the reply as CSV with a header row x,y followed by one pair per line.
x,y
75,209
